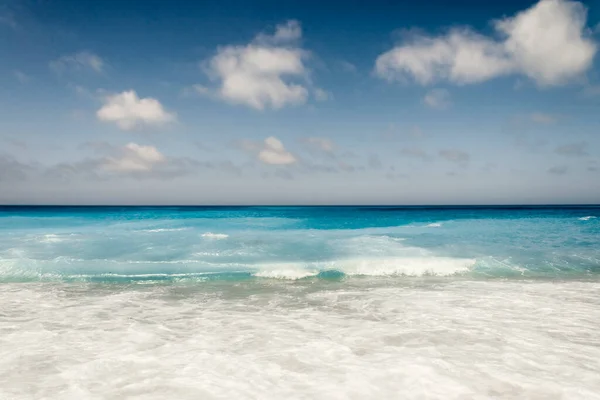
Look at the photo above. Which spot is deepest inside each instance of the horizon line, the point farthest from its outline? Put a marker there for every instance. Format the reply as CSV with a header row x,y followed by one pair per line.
x,y
313,205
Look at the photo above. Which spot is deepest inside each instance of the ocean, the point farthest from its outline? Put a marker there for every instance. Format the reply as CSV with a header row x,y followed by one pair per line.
x,y
372,302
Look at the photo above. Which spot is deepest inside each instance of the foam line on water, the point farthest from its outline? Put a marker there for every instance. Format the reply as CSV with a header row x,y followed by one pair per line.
x,y
210,235
401,266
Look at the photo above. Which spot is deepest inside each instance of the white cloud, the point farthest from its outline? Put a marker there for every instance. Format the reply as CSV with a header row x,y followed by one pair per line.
x,y
273,152
541,118
78,61
134,158
128,111
270,151
547,42
437,98
288,32
261,74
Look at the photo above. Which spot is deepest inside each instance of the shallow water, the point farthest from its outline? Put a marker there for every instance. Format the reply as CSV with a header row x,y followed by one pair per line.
x,y
271,303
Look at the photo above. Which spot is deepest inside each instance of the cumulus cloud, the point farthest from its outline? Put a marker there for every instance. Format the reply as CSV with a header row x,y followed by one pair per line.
x,y
273,152
270,151
269,72
437,98
79,61
129,111
455,156
548,43
572,150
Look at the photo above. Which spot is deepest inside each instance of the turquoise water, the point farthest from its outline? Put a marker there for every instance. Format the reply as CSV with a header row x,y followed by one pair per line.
x,y
299,303
240,243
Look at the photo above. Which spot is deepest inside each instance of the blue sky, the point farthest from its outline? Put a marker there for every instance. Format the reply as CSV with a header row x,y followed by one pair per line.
x,y
297,102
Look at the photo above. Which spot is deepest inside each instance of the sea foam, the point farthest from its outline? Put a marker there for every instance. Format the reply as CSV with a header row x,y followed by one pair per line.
x,y
210,235
410,267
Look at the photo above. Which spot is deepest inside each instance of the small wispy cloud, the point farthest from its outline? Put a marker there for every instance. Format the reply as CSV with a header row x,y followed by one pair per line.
x,y
80,61
573,150
455,156
591,91
395,133
22,77
196,90
437,98
415,152
348,67
543,118
8,19
319,144
322,95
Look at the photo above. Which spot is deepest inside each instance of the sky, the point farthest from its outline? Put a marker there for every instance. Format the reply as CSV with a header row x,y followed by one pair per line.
x,y
299,102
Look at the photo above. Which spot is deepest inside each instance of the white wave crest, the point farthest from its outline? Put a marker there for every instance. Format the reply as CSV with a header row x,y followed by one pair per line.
x,y
406,266
54,238
164,230
587,218
287,272
210,235
434,225
399,266
51,238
